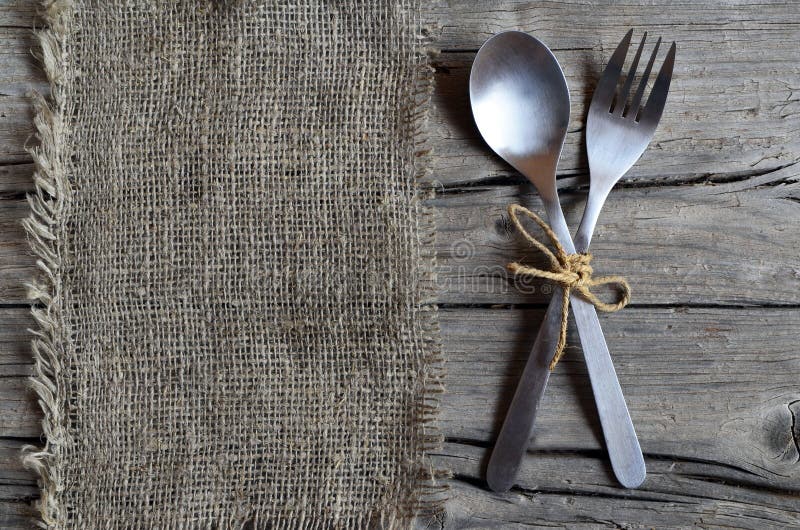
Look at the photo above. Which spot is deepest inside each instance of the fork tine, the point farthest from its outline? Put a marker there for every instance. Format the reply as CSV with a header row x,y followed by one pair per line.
x,y
604,92
622,97
651,113
637,99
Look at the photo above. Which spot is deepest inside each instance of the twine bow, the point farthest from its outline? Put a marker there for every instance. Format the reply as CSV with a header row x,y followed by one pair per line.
x,y
572,272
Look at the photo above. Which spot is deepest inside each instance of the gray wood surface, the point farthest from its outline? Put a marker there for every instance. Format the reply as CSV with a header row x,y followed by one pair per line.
x,y
706,227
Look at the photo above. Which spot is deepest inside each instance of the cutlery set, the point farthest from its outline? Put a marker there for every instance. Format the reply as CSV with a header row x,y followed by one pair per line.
x,y
521,106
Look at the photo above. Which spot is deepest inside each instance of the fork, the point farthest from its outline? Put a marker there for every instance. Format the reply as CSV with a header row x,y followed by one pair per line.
x,y
617,135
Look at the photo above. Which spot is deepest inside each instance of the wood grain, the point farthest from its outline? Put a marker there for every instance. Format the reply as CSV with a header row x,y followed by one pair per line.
x,y
736,115
734,104
20,14
732,244
710,403
700,383
577,490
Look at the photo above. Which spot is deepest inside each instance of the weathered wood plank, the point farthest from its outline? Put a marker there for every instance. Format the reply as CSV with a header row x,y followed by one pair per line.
x,y
15,351
578,490
21,74
16,178
18,487
12,472
701,384
717,385
732,244
709,459
17,264
22,417
739,122
16,129
18,62
727,244
19,513
570,24
19,13
737,113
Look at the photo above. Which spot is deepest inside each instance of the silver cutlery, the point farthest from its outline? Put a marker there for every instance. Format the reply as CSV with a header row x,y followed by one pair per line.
x,y
521,106
520,103
618,131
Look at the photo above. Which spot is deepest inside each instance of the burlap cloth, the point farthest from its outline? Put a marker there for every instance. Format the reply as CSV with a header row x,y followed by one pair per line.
x,y
236,319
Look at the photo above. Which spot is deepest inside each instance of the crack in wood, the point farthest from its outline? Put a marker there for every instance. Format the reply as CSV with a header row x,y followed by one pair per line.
x,y
534,305
534,492
795,430
580,181
600,454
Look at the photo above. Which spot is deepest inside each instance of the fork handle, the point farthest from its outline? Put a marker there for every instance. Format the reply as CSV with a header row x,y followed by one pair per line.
x,y
620,436
621,441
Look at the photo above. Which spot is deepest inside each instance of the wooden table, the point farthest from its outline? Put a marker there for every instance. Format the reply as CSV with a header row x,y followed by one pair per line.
x,y
706,227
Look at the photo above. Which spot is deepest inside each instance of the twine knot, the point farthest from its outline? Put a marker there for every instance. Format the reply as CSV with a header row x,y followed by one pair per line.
x,y
577,269
573,272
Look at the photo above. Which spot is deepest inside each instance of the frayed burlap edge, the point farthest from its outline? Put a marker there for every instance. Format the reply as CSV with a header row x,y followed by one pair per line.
x,y
48,206
431,485
430,482
49,203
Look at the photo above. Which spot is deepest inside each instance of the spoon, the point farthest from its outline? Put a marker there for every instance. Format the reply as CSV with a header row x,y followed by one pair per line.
x,y
520,103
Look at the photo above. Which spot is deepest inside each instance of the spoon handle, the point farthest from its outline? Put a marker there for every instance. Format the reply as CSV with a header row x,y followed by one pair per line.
x,y
512,441
514,437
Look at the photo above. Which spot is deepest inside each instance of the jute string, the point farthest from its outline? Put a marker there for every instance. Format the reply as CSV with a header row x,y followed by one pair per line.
x,y
573,272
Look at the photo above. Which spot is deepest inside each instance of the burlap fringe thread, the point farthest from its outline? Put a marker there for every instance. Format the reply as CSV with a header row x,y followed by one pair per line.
x,y
430,485
49,203
573,272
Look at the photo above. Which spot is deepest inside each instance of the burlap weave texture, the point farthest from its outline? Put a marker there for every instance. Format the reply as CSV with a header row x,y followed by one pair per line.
x,y
237,323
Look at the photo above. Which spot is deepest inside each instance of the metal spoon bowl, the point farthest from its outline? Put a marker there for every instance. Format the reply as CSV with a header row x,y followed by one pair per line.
x,y
520,102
